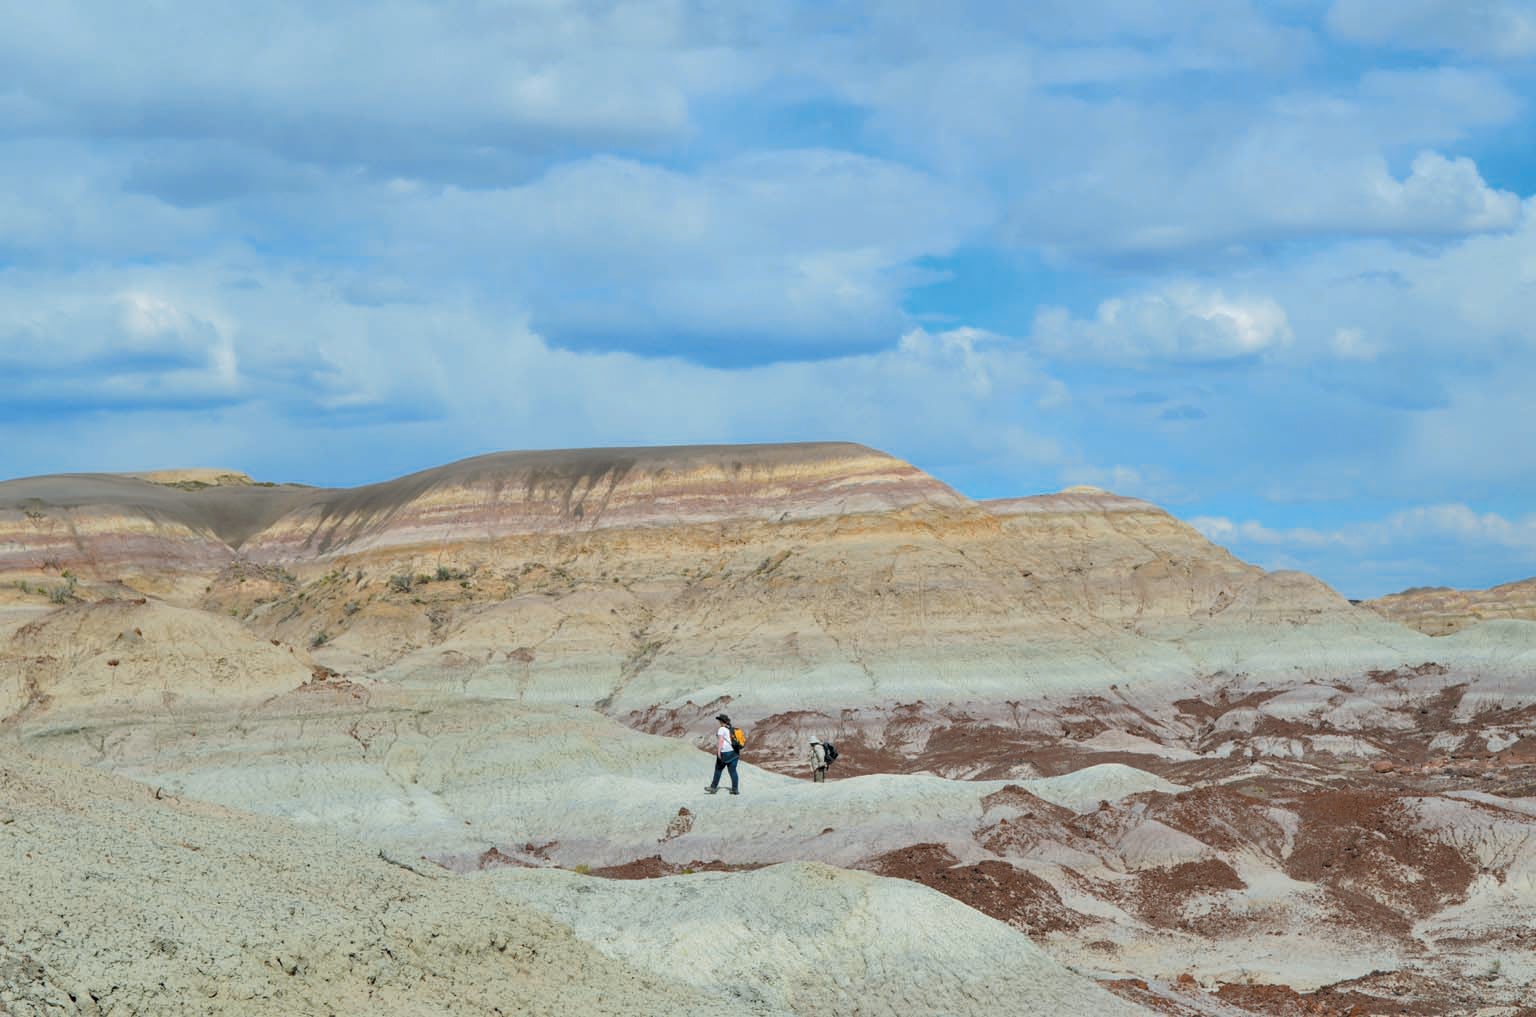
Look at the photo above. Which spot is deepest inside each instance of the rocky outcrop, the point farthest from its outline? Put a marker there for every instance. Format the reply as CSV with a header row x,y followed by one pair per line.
x,y
114,655
1439,610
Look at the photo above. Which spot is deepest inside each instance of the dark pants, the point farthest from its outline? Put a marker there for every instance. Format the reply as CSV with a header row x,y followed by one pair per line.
x,y
721,762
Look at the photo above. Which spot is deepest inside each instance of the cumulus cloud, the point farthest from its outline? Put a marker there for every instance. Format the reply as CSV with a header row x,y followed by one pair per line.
x,y
1442,195
790,253
1286,184
449,92
1182,324
135,349
1500,29
765,256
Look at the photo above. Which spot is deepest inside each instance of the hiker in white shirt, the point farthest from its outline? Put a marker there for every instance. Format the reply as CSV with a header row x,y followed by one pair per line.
x,y
726,756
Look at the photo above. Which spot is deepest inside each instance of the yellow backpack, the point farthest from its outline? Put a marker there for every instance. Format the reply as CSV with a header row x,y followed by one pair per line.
x,y
738,739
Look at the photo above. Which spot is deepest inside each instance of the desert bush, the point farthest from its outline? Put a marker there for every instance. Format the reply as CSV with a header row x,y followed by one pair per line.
x,y
401,583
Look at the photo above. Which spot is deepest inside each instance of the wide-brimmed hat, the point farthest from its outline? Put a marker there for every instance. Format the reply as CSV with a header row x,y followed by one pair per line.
x,y
722,718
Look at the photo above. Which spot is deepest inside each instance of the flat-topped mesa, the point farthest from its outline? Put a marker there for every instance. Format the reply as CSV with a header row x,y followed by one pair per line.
x,y
511,494
1072,499
106,525
195,478
1439,611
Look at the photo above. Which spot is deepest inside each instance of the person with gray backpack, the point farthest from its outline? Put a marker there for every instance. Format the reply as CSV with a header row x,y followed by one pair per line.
x,y
822,754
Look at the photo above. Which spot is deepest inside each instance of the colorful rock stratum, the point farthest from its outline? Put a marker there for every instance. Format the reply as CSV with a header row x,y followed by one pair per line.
x,y
438,745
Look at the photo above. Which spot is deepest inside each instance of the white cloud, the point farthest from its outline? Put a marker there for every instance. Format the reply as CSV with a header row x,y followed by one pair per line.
x,y
1181,324
1274,183
72,351
1452,521
1442,195
406,83
1501,29
790,253
1422,545
1353,344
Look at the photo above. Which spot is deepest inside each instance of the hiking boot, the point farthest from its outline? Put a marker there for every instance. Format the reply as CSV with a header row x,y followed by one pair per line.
x,y
710,790
735,792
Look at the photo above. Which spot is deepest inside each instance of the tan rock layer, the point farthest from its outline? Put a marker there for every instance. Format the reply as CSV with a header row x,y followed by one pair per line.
x,y
1439,611
116,524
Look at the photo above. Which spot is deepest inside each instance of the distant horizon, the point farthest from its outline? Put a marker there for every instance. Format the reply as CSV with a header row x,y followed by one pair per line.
x,y
1266,265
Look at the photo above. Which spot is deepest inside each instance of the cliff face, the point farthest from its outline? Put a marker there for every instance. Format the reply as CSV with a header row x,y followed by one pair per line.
x,y
1439,611
178,520
514,494
821,573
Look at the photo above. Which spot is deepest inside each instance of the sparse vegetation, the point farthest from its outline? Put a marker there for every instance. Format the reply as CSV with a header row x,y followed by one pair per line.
x,y
63,594
582,869
401,583
351,607
320,639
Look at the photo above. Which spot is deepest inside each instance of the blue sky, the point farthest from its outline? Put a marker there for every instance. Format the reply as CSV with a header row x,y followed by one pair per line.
x,y
1270,265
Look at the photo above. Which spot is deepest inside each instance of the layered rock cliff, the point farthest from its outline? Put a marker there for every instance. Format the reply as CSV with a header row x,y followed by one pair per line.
x,y
822,574
1440,611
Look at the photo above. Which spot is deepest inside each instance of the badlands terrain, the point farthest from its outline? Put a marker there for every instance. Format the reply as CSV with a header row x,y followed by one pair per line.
x,y
438,745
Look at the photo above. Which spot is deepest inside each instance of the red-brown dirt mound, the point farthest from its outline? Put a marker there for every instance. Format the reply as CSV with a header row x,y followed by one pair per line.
x,y
994,888
1367,844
